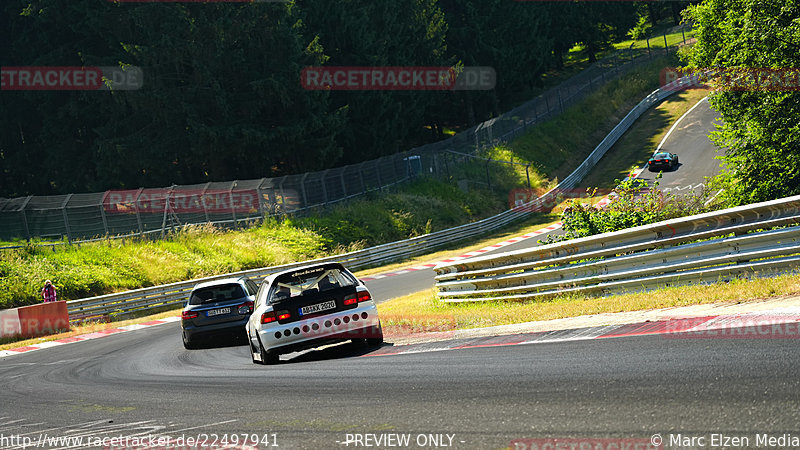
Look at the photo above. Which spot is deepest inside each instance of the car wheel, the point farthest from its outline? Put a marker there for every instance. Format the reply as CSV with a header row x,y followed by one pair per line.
x,y
189,343
376,341
267,357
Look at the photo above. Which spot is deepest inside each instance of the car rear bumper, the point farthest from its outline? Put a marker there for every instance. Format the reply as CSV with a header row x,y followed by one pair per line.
x,y
659,166
234,328
358,323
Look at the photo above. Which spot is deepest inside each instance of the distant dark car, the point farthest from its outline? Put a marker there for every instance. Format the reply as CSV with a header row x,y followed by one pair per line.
x,y
219,309
663,160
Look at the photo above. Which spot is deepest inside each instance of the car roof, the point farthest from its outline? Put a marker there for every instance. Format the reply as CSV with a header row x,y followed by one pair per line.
x,y
222,281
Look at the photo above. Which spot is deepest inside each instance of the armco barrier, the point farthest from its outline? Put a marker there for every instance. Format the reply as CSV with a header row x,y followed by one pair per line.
x,y
34,320
174,294
704,248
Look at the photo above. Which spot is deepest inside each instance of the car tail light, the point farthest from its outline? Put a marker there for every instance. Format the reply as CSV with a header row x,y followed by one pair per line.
x,y
268,317
350,300
364,296
187,315
246,307
284,315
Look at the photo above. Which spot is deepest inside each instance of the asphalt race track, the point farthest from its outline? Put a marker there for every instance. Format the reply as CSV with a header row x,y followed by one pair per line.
x,y
696,154
144,384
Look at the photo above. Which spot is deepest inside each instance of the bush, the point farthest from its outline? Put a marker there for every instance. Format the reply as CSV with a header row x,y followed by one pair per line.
x,y
634,204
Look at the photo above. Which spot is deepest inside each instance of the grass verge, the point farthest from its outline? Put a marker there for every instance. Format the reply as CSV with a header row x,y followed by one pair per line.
x,y
424,312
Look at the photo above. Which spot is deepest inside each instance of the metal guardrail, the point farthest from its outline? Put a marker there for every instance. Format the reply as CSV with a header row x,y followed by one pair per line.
x,y
704,248
174,294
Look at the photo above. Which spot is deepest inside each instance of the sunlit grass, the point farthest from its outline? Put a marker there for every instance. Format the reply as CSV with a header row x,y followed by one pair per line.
x,y
424,312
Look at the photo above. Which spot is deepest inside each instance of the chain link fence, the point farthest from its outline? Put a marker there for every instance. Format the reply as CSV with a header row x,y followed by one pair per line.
x,y
146,211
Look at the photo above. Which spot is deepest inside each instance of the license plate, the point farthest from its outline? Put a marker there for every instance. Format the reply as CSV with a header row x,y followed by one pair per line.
x,y
311,309
216,312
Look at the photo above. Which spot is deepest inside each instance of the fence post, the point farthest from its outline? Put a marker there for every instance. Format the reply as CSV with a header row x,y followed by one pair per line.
x,y
66,219
649,54
261,203
25,217
324,187
560,102
103,217
361,177
283,195
341,178
684,35
166,211
528,175
203,201
378,173
136,208
230,202
488,181
666,47
303,190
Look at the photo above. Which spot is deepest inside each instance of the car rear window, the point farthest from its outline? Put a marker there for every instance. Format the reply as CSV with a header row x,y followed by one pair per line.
x,y
661,155
221,293
310,281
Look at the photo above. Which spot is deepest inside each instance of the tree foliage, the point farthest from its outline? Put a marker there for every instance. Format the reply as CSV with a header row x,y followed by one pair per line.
x,y
761,128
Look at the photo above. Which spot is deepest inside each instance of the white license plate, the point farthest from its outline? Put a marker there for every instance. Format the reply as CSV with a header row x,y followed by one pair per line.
x,y
311,309
216,312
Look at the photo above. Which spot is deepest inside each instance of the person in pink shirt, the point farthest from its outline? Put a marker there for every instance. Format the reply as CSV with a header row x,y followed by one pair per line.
x,y
49,292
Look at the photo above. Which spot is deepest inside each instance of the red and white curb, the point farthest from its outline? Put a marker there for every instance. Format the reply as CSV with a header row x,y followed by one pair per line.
x,y
777,324
471,254
86,337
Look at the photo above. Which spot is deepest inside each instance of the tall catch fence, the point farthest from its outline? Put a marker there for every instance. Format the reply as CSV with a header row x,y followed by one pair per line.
x,y
147,211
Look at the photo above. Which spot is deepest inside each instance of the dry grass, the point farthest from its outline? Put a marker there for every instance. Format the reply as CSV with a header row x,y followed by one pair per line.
x,y
423,312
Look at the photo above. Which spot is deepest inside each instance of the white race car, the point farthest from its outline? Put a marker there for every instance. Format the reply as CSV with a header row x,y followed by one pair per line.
x,y
308,307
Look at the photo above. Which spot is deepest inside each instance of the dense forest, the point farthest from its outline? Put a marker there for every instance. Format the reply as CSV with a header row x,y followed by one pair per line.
x,y
221,97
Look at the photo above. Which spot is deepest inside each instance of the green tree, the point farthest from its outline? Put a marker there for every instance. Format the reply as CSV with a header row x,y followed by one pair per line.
x,y
378,34
761,128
